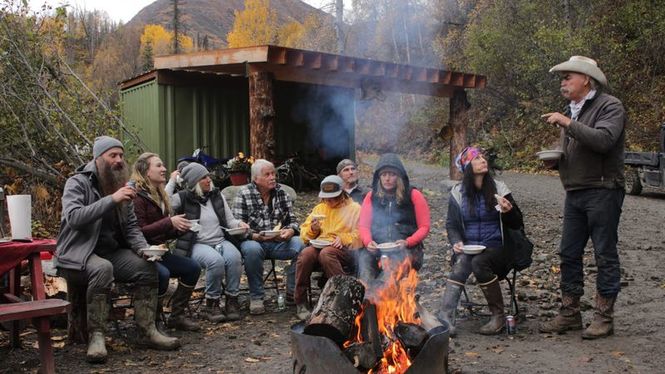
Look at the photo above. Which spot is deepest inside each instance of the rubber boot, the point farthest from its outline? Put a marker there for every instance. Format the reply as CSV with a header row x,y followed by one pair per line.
x,y
179,302
98,313
569,317
160,323
212,312
232,308
603,319
145,305
492,292
448,312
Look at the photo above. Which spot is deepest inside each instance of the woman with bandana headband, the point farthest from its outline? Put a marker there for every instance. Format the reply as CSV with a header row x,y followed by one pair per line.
x,y
478,208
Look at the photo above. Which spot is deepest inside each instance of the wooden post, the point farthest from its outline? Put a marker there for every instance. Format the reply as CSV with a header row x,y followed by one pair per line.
x,y
261,115
459,120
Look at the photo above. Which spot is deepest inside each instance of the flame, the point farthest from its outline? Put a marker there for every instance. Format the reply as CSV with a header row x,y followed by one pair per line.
x,y
395,302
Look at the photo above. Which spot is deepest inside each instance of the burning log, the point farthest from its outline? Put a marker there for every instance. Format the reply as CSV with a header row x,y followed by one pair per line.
x,y
370,329
334,314
361,355
412,336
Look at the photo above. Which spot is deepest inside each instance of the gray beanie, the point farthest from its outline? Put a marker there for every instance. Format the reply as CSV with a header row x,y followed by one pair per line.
x,y
103,144
344,163
193,173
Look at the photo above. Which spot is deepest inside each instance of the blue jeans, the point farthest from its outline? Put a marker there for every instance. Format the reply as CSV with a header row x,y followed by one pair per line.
x,y
591,213
185,269
227,266
255,252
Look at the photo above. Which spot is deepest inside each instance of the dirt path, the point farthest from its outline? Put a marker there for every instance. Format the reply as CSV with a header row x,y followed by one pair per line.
x,y
261,344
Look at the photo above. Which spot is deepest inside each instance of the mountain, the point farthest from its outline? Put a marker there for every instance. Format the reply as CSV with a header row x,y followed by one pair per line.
x,y
215,17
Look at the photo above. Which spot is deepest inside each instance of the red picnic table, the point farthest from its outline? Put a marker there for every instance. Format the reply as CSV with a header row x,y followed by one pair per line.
x,y
12,254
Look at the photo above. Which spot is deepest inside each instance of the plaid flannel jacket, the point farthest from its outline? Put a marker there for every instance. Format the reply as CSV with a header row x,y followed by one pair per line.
x,y
249,208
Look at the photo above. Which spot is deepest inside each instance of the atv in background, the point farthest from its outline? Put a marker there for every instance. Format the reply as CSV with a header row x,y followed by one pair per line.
x,y
646,169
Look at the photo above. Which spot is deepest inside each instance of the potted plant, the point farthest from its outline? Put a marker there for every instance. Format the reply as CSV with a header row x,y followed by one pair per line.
x,y
239,169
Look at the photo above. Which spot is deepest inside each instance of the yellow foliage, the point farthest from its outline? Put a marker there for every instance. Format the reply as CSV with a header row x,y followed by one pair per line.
x,y
255,25
291,35
162,40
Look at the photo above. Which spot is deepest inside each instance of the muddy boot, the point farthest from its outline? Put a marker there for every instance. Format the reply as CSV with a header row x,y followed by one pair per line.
x,y
179,302
232,308
569,317
492,292
212,312
160,323
145,305
98,313
448,311
603,319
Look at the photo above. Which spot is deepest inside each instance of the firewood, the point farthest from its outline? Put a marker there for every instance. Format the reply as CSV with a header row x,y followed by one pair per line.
x,y
370,329
334,314
412,337
361,355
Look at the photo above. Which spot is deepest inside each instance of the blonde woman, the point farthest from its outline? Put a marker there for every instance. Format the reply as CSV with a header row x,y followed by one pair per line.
x,y
152,209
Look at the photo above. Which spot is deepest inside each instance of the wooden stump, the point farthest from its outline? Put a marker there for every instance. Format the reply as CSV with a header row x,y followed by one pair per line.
x,y
334,314
77,320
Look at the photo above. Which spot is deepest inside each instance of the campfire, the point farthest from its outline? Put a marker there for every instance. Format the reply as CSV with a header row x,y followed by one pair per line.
x,y
378,329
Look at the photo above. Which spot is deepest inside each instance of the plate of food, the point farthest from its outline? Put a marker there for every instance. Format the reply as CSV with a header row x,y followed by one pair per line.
x,y
269,233
388,247
471,249
320,243
155,250
237,231
552,154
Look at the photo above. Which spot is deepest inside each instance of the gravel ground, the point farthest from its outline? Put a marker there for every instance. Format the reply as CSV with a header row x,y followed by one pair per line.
x,y
261,344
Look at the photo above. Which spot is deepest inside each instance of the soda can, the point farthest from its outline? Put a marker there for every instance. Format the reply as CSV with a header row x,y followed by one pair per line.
x,y
511,326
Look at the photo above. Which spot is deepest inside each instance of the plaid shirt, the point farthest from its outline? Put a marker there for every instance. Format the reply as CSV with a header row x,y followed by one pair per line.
x,y
249,207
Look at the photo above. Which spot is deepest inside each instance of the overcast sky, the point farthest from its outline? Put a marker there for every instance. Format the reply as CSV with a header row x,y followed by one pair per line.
x,y
122,10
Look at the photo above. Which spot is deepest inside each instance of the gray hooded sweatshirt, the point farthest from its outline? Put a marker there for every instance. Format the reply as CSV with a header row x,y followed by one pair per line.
x,y
83,209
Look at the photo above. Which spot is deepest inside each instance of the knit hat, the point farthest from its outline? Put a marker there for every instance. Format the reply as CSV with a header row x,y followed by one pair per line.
x,y
331,186
344,163
193,173
103,144
466,156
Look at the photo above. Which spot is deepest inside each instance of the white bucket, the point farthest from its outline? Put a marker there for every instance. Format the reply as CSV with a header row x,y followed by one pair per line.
x,y
19,208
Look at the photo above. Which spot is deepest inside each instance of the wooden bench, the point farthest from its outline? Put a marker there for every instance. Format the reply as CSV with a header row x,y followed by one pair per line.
x,y
40,311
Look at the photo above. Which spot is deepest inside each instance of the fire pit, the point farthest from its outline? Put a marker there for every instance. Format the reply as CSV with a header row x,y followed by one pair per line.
x,y
317,354
380,330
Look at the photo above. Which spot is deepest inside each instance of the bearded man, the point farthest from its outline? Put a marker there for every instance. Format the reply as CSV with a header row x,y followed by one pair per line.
x,y
100,242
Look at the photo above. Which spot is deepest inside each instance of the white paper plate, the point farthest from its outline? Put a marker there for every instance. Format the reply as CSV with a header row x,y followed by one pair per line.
x,y
388,247
318,243
269,233
473,249
553,154
155,250
237,231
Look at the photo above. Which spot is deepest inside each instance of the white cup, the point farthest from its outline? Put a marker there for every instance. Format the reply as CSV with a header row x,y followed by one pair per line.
x,y
19,208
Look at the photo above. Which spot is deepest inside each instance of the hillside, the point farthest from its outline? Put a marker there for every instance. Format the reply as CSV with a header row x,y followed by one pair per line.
x,y
214,17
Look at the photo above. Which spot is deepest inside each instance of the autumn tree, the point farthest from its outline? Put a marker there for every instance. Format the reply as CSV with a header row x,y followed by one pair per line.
x,y
255,25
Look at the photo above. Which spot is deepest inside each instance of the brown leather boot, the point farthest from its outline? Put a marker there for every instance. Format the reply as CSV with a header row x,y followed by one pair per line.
x,y
492,292
603,319
569,317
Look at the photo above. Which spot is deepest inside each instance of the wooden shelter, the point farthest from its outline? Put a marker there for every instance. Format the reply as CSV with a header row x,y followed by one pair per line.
x,y
267,83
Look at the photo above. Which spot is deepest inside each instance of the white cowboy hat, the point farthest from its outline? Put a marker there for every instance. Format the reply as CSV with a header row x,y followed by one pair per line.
x,y
583,65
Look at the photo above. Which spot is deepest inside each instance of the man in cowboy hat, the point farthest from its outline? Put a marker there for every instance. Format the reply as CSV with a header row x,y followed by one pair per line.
x,y
591,170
